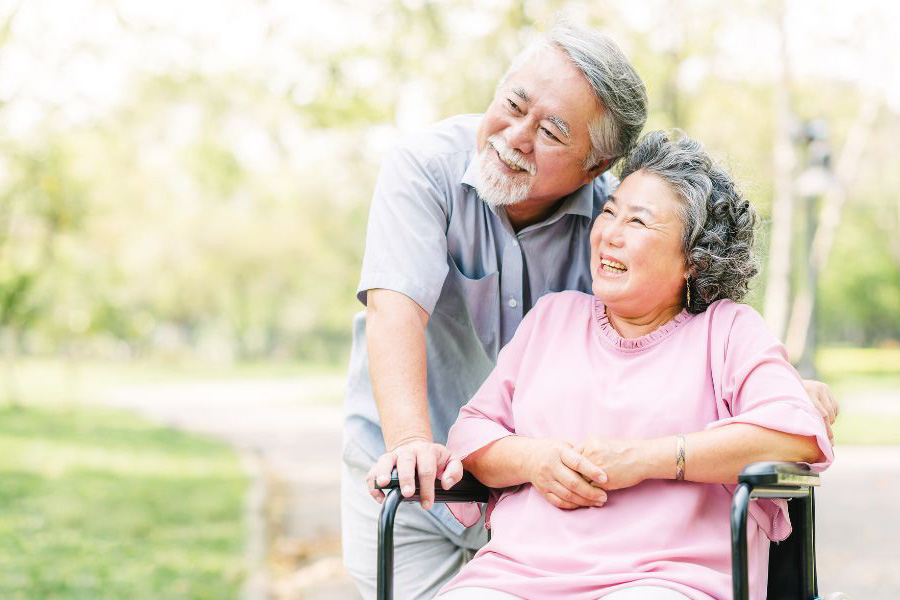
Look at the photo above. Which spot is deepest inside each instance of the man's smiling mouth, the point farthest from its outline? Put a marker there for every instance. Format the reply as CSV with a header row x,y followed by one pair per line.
x,y
512,166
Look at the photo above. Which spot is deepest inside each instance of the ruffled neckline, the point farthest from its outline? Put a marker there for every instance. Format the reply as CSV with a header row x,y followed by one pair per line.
x,y
608,334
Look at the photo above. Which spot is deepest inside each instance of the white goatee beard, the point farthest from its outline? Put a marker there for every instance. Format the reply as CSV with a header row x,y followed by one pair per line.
x,y
497,188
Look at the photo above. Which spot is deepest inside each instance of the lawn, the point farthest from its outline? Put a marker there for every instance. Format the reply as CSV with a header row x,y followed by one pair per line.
x,y
866,382
97,503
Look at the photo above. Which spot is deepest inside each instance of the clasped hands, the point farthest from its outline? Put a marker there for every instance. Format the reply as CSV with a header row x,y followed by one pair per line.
x,y
569,476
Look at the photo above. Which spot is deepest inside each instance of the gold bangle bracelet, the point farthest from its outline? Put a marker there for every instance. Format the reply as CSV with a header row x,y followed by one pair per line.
x,y
679,457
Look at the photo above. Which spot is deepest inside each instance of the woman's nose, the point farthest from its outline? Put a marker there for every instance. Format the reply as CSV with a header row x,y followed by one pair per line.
x,y
612,234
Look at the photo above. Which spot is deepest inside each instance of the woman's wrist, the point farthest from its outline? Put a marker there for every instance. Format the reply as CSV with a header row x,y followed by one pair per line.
x,y
660,456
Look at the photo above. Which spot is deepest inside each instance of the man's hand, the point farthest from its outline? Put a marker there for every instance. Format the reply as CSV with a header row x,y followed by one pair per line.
x,y
566,478
824,401
431,461
619,459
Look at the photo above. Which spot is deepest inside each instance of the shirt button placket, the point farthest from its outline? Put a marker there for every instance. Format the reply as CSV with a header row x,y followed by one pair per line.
x,y
511,290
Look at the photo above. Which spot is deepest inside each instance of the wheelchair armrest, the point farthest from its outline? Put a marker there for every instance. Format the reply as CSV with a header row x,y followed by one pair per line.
x,y
787,475
467,489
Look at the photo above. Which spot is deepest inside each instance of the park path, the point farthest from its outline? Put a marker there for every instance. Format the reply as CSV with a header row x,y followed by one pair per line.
x,y
287,431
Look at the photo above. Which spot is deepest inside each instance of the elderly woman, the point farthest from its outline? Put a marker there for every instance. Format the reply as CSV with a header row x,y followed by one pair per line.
x,y
646,399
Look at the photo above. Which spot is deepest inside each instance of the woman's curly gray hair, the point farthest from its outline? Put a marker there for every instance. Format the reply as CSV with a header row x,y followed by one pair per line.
x,y
719,223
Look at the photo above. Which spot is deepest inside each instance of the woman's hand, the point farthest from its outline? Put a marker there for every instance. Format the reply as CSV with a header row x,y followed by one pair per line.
x,y
565,477
621,460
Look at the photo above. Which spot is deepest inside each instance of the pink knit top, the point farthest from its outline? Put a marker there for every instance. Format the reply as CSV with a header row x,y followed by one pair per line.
x,y
567,374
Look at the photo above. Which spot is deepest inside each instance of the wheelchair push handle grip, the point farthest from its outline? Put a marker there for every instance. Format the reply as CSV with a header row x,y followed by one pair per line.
x,y
467,489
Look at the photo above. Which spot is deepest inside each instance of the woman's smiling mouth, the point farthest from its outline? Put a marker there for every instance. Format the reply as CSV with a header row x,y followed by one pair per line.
x,y
612,267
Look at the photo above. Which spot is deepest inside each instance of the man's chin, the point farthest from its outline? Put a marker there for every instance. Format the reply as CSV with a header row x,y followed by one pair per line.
x,y
498,198
498,189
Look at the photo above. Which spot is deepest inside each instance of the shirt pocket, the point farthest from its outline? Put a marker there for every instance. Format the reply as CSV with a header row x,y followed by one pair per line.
x,y
473,301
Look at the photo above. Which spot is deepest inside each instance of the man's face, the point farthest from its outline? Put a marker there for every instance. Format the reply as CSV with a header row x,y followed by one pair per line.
x,y
534,138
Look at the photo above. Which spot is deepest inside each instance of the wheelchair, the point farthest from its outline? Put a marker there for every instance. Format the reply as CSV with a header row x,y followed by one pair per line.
x,y
792,563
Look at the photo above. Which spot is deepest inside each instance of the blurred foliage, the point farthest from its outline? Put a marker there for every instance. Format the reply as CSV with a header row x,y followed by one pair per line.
x,y
99,504
220,213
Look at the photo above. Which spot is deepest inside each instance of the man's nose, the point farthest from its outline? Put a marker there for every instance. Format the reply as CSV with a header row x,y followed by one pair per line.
x,y
520,136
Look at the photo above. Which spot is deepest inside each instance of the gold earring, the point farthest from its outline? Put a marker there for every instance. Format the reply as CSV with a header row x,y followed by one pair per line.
x,y
687,279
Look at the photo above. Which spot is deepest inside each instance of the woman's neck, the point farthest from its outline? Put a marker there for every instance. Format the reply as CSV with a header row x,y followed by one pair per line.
x,y
632,327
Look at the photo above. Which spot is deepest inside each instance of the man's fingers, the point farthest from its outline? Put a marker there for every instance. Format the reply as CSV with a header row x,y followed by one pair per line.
x,y
579,463
426,465
406,469
822,398
384,466
834,403
378,495
452,473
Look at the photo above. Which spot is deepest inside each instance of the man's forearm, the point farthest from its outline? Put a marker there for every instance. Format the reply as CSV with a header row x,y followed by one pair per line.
x,y
718,455
395,338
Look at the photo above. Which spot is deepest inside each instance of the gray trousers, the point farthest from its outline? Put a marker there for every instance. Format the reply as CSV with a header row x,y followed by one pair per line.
x,y
426,554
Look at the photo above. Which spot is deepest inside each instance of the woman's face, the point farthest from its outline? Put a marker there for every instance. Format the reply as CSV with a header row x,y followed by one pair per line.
x,y
637,262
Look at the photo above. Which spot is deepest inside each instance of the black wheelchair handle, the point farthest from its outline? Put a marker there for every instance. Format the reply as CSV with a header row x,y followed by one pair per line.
x,y
467,489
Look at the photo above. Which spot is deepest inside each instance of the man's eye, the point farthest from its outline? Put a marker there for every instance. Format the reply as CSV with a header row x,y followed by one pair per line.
x,y
607,211
638,221
549,134
514,106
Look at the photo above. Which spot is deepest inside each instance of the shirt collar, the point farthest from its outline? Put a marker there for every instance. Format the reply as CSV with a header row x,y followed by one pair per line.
x,y
471,177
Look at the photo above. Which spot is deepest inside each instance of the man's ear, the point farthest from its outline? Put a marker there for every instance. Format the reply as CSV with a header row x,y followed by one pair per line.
x,y
597,170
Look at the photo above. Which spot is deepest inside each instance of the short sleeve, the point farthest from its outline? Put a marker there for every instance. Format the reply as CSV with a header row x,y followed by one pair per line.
x,y
488,416
758,386
406,239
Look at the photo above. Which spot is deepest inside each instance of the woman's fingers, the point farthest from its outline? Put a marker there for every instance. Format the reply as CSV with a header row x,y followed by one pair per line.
x,y
571,487
579,463
559,502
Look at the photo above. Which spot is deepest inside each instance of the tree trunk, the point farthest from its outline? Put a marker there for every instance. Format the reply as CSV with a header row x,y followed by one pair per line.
x,y
845,171
778,273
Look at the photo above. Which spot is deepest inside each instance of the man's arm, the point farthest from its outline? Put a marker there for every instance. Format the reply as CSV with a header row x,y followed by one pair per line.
x,y
395,339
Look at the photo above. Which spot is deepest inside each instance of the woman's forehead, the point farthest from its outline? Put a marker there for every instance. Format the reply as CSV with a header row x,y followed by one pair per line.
x,y
642,191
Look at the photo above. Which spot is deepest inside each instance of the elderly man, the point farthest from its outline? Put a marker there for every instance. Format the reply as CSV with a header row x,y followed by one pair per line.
x,y
471,222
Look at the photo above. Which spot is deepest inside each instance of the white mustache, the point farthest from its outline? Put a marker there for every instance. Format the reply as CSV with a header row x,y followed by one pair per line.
x,y
510,155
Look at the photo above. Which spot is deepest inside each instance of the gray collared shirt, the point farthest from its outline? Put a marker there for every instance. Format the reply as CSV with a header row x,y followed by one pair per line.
x,y
432,238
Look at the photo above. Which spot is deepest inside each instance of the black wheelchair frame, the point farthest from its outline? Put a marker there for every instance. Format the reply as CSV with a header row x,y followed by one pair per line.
x,y
792,563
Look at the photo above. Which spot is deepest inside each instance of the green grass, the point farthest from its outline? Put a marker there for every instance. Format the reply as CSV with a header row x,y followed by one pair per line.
x,y
96,503
868,429
837,363
866,382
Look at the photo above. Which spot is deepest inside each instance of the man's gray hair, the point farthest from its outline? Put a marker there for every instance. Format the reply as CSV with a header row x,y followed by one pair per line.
x,y
615,83
719,223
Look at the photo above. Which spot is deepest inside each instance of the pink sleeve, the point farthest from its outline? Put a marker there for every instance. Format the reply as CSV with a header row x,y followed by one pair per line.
x,y
757,385
488,416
